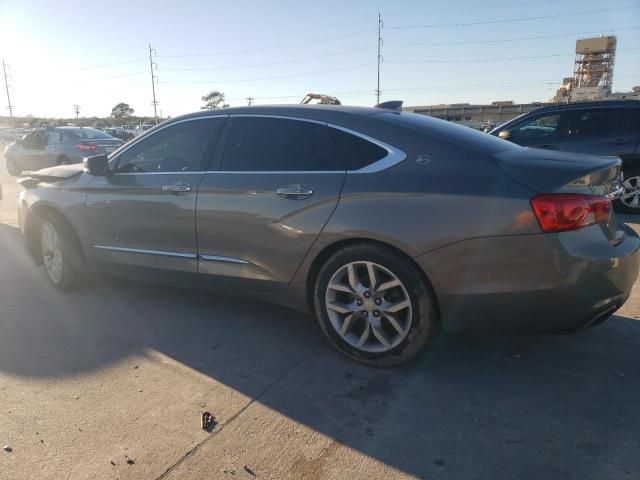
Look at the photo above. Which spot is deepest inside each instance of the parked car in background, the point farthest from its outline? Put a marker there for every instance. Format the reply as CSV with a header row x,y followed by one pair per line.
x,y
597,128
57,146
140,129
119,133
387,225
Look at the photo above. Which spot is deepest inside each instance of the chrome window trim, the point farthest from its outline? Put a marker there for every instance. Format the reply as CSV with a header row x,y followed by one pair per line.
x,y
220,258
281,117
153,131
147,252
200,172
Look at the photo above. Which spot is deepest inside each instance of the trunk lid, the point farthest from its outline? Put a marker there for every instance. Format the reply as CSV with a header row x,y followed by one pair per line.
x,y
547,171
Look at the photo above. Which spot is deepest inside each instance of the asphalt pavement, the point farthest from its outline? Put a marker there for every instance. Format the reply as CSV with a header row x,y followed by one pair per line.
x,y
111,381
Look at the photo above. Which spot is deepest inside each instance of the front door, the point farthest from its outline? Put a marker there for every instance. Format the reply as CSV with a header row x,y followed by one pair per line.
x,y
275,184
141,215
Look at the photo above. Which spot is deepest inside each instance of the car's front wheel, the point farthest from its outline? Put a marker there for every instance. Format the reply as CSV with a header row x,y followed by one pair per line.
x,y
374,305
629,202
60,253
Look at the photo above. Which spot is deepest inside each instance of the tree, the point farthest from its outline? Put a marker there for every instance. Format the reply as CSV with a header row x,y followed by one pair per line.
x,y
121,112
213,101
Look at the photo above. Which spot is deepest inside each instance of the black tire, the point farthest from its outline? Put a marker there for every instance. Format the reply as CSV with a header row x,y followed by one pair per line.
x,y
73,265
423,304
632,174
12,168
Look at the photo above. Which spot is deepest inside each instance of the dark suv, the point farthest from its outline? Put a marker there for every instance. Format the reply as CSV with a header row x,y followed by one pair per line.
x,y
597,128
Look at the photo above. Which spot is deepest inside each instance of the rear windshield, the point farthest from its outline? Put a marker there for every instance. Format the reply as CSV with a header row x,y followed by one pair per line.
x,y
87,133
449,131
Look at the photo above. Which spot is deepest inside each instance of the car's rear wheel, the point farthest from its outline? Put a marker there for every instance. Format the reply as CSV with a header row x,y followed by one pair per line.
x,y
12,168
629,202
374,305
61,254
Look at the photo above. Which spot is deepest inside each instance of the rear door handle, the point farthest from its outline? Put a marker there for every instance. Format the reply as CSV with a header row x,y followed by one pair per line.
x,y
620,141
177,188
296,192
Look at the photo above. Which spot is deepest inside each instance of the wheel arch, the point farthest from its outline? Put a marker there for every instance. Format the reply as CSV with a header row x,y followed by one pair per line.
x,y
33,222
330,249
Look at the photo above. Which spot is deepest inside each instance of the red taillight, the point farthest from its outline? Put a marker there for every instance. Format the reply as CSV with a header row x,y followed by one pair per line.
x,y
558,212
83,147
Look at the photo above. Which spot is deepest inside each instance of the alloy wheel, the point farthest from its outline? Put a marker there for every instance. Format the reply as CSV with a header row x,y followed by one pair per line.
x,y
52,253
631,195
368,307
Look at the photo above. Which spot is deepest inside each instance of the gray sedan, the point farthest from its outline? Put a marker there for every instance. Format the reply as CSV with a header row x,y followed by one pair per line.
x,y
387,226
57,146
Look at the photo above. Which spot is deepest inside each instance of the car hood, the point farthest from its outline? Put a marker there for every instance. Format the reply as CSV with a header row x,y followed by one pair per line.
x,y
60,172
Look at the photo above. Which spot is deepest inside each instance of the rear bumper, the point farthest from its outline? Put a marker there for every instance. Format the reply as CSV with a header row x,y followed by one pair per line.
x,y
545,283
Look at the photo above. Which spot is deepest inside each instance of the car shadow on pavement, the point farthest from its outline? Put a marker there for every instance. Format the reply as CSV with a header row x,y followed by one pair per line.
x,y
526,407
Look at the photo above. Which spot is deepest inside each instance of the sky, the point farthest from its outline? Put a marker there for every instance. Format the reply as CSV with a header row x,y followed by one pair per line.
x,y
95,53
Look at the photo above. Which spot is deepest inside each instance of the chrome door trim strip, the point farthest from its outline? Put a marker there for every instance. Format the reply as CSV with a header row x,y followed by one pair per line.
x,y
219,258
281,117
147,252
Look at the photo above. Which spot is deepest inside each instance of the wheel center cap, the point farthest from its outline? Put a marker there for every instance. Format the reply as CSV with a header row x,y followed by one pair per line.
x,y
368,304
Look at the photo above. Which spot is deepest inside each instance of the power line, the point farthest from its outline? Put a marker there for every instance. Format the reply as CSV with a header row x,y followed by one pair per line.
x,y
516,39
499,59
520,19
349,67
105,65
294,60
252,50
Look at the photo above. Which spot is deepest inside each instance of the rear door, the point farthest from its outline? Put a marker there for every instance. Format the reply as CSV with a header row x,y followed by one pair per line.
x,y
601,131
272,188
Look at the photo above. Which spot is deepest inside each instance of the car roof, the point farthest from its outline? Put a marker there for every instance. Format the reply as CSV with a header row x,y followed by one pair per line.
x,y
316,112
594,104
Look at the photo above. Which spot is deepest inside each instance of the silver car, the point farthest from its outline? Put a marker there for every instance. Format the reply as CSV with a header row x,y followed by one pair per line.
x,y
387,225
57,146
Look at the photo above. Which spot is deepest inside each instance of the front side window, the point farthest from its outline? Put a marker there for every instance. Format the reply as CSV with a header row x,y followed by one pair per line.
x,y
262,144
537,127
177,148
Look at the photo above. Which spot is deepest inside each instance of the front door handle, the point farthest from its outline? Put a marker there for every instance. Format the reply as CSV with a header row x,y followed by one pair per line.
x,y
296,192
177,188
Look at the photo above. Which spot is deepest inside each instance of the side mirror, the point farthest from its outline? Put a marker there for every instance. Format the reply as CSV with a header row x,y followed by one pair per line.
x,y
505,134
96,165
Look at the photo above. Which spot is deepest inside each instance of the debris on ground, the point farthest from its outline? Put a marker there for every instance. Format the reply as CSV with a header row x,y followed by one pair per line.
x,y
7,448
130,461
207,421
112,463
136,367
249,471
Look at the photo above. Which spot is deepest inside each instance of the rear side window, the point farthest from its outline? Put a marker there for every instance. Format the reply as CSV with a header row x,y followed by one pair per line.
x,y
600,122
261,144
356,152
176,148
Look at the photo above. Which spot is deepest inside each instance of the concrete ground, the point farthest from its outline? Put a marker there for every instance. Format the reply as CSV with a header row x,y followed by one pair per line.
x,y
110,382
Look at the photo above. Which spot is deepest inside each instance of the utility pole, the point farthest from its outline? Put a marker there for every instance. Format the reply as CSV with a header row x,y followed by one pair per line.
x,y
249,101
154,78
380,26
6,86
76,108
